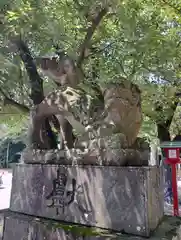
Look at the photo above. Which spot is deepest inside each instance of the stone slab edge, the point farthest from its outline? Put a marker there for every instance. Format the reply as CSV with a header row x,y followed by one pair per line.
x,y
3,212
169,229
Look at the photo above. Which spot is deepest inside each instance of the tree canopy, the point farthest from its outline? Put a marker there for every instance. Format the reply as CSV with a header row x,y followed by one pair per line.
x,y
138,40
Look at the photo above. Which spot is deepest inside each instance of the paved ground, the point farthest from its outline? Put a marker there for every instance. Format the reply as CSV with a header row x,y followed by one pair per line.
x,y
5,188
168,207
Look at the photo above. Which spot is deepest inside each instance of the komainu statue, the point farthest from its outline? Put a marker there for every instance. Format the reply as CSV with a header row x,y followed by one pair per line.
x,y
104,128
123,105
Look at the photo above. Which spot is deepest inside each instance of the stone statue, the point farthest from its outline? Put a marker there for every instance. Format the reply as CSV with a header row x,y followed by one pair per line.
x,y
104,132
123,105
63,71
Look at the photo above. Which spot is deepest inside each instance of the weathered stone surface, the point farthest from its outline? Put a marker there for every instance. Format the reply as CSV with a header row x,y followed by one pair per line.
x,y
100,152
2,214
121,108
123,104
21,227
126,199
122,101
61,69
34,156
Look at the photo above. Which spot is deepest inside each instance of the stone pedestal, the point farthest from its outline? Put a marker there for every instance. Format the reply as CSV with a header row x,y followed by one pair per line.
x,y
2,217
21,227
126,199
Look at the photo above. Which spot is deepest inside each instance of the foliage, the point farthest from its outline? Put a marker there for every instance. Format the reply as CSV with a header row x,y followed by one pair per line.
x,y
148,130
137,39
175,127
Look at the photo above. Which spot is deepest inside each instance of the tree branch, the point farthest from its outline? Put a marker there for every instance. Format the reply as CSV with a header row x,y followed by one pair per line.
x,y
173,108
37,95
95,51
170,118
35,80
163,132
90,32
178,11
10,101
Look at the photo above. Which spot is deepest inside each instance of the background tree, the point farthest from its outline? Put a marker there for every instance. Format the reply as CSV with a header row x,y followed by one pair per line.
x,y
135,40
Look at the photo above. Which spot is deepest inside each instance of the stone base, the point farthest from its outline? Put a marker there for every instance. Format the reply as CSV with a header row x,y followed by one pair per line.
x,y
2,217
21,227
128,199
108,156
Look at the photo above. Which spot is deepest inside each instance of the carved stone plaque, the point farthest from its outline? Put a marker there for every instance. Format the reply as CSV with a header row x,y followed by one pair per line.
x,y
128,199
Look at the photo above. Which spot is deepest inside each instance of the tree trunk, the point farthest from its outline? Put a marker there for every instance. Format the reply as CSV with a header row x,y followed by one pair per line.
x,y
163,132
163,128
37,95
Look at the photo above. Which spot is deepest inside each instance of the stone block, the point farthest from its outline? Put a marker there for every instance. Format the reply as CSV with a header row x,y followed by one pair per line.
x,y
127,199
2,214
21,227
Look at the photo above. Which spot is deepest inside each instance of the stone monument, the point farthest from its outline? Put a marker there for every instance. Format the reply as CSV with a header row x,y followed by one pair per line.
x,y
103,180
